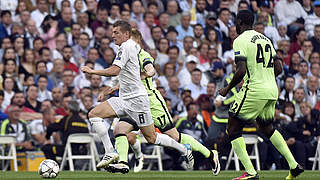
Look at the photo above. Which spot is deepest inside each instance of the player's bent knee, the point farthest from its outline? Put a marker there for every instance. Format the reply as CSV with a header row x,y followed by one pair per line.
x,y
131,138
151,139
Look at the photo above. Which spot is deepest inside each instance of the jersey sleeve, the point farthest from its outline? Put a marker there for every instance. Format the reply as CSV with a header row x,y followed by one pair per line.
x,y
239,50
122,57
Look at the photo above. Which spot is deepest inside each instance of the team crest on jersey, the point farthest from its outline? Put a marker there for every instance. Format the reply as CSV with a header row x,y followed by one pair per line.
x,y
119,55
237,53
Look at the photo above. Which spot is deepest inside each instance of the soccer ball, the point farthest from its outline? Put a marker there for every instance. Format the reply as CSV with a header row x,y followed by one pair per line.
x,y
48,169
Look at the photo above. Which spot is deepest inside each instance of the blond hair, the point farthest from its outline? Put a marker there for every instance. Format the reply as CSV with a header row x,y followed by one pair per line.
x,y
136,36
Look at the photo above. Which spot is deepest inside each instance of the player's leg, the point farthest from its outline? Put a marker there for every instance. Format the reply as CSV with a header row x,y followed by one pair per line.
x,y
182,138
243,111
163,121
96,115
135,145
264,121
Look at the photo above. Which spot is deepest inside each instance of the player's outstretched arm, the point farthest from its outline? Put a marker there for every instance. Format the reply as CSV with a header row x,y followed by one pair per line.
x,y
277,66
111,71
238,76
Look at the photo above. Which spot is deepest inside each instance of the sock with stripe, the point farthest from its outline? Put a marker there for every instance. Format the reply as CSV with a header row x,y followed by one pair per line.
x,y
278,142
239,147
122,147
195,145
165,140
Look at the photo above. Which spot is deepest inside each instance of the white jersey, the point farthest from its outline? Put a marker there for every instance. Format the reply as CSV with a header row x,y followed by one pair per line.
x,y
127,59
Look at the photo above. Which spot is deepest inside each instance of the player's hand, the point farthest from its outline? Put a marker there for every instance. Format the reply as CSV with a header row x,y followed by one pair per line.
x,y
86,69
224,91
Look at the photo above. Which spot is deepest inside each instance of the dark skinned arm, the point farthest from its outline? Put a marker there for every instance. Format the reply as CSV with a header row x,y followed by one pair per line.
x,y
238,76
277,66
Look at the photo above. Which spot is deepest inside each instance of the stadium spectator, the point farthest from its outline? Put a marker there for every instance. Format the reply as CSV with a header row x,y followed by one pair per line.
x,y
83,79
286,93
15,127
306,49
69,61
40,13
298,38
164,21
73,37
43,92
146,25
184,29
31,100
3,115
80,50
8,85
38,128
291,13
107,58
313,19
224,21
312,91
61,42
41,69
187,45
114,13
169,70
201,12
67,84
174,15
174,91
31,32
195,85
302,75
56,98
316,38
69,124
185,74
62,109
101,19
298,98
172,35
83,20
95,85
65,23
45,55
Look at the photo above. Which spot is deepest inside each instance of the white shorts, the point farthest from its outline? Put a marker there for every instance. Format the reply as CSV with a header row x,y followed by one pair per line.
x,y
137,109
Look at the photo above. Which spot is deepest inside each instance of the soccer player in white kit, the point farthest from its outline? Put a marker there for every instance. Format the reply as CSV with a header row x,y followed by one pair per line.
x,y
132,101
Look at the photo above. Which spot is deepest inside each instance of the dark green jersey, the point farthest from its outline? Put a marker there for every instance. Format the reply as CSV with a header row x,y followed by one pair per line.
x,y
259,81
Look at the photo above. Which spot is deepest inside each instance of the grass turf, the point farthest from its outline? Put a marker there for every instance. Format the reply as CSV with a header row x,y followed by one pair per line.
x,y
155,175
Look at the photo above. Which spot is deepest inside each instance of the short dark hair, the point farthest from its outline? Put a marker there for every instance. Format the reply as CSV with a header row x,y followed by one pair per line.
x,y
43,76
39,62
124,26
32,85
196,70
152,4
246,17
243,2
190,104
43,49
5,12
173,47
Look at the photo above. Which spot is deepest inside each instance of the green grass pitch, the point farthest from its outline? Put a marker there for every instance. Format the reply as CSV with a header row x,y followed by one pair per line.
x,y
155,175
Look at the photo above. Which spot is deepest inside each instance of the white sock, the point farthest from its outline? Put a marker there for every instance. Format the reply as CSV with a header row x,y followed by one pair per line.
x,y
165,140
99,126
137,149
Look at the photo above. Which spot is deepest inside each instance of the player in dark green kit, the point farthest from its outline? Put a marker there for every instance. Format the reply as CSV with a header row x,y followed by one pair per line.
x,y
257,65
